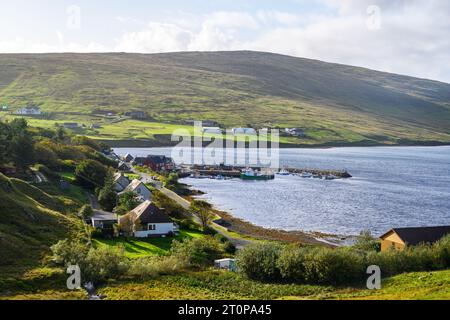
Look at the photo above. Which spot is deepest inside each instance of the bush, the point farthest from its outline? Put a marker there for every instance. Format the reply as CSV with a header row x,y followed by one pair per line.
x,y
156,266
96,264
198,252
328,266
366,242
91,173
291,263
104,263
50,174
67,252
259,261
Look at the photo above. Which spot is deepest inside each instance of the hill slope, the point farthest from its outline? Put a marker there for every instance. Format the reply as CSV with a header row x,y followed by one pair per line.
x,y
333,103
29,223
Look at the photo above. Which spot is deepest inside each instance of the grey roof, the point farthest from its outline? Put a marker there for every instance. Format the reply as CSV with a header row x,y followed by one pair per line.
x,y
100,215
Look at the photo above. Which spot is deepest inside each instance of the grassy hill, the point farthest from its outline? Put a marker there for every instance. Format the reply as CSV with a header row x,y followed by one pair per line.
x,y
30,222
335,104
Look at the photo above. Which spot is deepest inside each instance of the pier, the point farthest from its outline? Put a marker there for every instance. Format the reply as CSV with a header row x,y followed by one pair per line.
x,y
236,171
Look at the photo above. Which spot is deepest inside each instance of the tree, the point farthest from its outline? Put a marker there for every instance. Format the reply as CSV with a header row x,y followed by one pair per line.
x,y
127,202
107,196
202,210
22,150
86,211
126,225
91,173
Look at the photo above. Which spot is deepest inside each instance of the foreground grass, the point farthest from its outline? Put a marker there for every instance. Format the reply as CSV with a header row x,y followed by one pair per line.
x,y
139,248
229,286
49,284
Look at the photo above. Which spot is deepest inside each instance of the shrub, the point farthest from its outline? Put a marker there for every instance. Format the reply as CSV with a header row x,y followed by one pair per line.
x,y
104,263
67,252
156,266
198,252
90,173
50,174
96,264
291,263
333,266
366,242
259,261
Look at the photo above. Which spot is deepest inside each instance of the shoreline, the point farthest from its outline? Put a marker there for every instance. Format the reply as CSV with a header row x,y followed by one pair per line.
x,y
142,143
245,228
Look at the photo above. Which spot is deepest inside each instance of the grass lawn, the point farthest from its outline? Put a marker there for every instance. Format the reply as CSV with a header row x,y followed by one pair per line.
x,y
139,248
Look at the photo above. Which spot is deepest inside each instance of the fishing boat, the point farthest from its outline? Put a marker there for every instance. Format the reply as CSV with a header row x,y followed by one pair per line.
x,y
306,175
331,177
250,174
283,172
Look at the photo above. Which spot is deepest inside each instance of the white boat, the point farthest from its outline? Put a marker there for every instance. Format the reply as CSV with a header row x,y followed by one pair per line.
x,y
331,177
306,175
283,172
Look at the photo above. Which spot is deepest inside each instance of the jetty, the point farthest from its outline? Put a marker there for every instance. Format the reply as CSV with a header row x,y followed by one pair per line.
x,y
236,171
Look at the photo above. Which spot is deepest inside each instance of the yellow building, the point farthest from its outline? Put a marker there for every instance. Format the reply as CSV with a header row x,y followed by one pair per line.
x,y
399,238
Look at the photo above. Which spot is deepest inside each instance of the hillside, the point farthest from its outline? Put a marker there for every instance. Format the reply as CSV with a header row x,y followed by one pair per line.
x,y
30,224
334,104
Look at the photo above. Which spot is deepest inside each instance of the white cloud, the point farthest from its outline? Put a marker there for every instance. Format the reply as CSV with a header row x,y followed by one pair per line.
x,y
413,37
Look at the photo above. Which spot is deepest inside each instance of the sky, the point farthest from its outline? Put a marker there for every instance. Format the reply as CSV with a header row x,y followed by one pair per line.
x,y
409,37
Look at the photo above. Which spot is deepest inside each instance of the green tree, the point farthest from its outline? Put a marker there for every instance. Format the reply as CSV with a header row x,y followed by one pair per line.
x,y
91,173
202,210
107,196
86,211
22,150
127,202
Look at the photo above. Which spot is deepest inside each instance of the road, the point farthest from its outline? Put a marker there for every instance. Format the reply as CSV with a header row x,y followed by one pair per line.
x,y
185,204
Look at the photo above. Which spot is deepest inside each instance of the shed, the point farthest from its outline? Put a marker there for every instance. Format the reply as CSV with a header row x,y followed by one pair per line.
x,y
400,238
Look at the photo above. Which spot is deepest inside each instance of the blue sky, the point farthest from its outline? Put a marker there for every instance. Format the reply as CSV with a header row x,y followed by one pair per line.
x,y
401,36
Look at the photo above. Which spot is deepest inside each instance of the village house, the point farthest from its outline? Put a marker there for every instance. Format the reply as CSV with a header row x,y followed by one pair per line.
x,y
156,163
128,158
212,130
103,221
139,115
247,131
147,221
140,189
123,166
206,123
400,238
29,111
121,182
71,125
295,132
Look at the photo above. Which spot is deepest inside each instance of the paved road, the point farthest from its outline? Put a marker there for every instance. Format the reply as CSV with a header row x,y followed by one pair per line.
x,y
146,178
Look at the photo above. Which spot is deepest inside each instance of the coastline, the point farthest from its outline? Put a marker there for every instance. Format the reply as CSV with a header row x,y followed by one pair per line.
x,y
165,142
232,224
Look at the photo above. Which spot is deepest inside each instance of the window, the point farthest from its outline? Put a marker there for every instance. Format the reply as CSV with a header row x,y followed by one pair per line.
x,y
151,227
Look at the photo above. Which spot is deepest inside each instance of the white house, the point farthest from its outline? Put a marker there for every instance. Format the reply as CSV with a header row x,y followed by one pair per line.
x,y
247,131
212,130
140,189
121,182
147,221
29,111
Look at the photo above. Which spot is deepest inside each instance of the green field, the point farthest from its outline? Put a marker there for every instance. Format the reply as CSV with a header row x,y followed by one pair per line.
x,y
229,286
135,248
333,104
49,283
